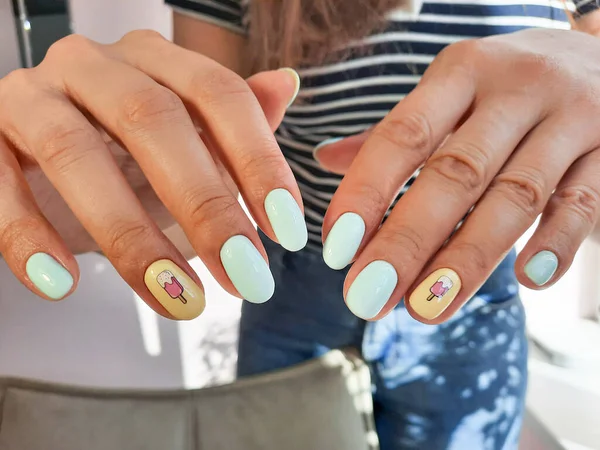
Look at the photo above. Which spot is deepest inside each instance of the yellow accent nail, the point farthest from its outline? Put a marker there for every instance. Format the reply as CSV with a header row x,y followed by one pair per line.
x,y
175,290
435,293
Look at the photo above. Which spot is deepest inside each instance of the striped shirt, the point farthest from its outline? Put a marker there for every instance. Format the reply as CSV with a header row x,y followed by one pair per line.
x,y
345,98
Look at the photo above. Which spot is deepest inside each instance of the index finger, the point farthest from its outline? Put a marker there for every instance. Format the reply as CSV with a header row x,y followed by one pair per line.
x,y
394,151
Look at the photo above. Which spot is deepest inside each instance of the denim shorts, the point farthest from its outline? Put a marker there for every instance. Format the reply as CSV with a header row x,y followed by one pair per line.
x,y
459,385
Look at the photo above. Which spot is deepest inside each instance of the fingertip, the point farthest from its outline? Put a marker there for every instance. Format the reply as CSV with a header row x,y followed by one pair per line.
x,y
50,278
295,83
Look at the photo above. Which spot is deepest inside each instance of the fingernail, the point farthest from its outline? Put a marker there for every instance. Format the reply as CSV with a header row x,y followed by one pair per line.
x,y
48,275
324,144
435,293
247,269
343,240
286,219
372,289
296,80
175,290
542,267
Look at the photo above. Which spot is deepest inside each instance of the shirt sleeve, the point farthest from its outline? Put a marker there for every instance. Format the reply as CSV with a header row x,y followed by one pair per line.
x,y
224,13
586,6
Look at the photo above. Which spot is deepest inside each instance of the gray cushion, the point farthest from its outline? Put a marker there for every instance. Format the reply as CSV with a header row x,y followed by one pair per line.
x,y
324,404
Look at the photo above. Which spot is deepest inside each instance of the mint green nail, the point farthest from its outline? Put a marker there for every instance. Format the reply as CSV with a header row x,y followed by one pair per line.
x,y
325,143
247,269
541,268
286,219
372,289
49,276
343,240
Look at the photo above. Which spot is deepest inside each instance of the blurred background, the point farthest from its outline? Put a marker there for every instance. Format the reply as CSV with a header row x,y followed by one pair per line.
x,y
74,338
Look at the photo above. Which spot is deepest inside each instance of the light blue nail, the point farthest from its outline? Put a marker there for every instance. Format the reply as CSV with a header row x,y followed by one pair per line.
x,y
541,268
48,275
286,219
325,143
372,289
247,269
343,240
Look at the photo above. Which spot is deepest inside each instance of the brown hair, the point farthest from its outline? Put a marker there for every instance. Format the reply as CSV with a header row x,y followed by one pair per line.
x,y
290,33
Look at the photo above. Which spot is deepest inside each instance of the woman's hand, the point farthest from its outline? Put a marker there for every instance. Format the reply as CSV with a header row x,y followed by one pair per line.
x,y
67,121
506,124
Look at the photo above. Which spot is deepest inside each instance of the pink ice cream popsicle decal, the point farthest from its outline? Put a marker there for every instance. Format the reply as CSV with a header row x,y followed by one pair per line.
x,y
440,287
170,284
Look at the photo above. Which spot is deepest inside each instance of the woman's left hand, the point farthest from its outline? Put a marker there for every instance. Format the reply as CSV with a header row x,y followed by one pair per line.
x,y
509,124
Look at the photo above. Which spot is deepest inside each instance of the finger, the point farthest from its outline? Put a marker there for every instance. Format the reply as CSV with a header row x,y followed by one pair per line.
x,y
567,220
275,91
449,184
77,162
153,124
231,115
508,208
33,250
336,155
396,148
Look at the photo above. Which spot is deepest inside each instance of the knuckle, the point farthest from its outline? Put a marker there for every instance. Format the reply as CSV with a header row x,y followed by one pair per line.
x,y
264,165
372,201
125,237
524,188
62,146
143,36
145,108
69,45
18,81
217,85
478,257
202,207
581,200
464,167
408,239
13,233
408,132
539,65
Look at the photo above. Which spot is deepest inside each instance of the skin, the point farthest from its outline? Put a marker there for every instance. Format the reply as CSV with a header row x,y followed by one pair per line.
x,y
503,123
73,141
174,187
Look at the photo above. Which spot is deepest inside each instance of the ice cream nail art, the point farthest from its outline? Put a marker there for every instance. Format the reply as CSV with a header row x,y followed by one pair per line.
x,y
435,293
175,290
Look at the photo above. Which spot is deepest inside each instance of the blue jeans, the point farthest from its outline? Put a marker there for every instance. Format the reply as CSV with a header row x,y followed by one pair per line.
x,y
457,386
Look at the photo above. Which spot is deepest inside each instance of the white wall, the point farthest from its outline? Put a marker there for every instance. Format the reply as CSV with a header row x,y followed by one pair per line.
x,y
108,20
9,50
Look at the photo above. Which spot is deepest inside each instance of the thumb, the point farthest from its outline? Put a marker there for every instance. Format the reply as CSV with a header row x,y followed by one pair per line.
x,y
275,90
336,155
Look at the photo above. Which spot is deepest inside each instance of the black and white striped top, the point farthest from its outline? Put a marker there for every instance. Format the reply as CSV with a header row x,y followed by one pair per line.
x,y
345,98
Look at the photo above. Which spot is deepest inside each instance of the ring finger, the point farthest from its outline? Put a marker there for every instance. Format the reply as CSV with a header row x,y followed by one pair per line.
x,y
510,205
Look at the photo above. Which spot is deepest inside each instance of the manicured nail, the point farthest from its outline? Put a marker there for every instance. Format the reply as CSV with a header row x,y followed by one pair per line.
x,y
324,144
372,289
286,219
247,269
175,290
296,80
435,293
542,267
343,240
48,275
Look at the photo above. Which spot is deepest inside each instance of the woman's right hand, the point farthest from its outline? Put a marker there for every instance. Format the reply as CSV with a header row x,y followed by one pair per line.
x,y
68,120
